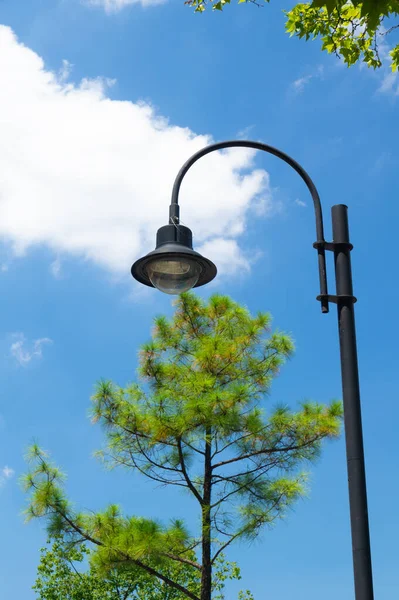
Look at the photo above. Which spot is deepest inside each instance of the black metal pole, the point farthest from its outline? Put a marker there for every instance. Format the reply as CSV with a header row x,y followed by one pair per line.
x,y
352,409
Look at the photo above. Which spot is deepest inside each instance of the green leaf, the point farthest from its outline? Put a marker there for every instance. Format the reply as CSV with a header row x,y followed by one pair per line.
x,y
330,5
328,45
290,26
372,10
395,58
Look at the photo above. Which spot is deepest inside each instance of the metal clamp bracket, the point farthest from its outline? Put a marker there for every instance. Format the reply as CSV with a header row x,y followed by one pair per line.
x,y
343,299
333,246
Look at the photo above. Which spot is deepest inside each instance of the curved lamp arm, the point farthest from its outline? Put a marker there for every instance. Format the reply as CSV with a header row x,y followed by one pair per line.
x,y
320,242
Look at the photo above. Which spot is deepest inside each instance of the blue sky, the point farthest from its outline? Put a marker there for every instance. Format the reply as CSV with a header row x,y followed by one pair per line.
x,y
98,110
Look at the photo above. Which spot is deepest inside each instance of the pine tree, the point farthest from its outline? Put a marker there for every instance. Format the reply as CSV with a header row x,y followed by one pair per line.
x,y
196,420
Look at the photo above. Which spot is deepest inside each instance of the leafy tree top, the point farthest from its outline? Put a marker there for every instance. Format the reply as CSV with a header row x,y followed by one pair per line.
x,y
355,30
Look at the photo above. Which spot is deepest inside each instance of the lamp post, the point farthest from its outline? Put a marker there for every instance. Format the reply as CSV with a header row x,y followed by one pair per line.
x,y
174,267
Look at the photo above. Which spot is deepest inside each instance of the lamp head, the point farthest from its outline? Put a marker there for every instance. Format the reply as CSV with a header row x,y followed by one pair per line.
x,y
174,267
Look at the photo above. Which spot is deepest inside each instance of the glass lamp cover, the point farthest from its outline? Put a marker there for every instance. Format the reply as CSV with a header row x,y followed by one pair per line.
x,y
173,276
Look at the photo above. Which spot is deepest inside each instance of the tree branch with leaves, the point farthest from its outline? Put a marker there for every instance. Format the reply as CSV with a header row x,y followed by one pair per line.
x,y
354,30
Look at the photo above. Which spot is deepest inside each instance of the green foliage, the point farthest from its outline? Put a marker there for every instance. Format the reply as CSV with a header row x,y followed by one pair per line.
x,y
200,5
61,576
195,422
354,30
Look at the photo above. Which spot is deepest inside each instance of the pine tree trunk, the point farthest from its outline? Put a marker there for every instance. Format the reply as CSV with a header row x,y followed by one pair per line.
x,y
206,577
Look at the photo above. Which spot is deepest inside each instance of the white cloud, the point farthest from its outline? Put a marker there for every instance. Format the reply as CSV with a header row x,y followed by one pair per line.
x,y
384,160
92,177
300,202
390,80
228,256
65,71
55,268
390,83
244,134
116,5
23,355
5,474
299,84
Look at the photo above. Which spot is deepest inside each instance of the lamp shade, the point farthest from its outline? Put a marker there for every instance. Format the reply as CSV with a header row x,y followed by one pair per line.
x,y
174,267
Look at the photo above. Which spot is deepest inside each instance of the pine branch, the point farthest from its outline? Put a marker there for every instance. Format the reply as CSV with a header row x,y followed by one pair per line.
x,y
265,451
185,561
159,479
193,448
190,484
127,558
155,464
242,532
229,444
241,487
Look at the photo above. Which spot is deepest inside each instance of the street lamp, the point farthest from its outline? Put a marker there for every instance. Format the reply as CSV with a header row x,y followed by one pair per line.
x,y
174,267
